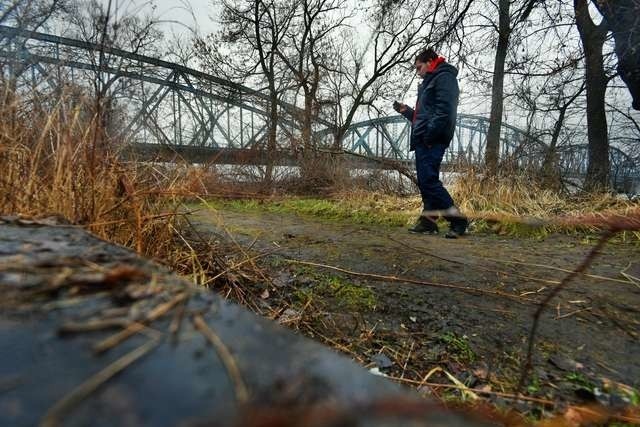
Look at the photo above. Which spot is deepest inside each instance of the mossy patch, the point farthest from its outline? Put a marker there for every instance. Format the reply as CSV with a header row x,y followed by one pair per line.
x,y
334,290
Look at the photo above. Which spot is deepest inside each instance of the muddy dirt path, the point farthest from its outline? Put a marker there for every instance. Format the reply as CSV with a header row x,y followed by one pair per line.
x,y
591,330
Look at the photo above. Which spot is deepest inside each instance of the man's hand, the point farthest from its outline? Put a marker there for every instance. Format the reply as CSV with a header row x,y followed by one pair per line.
x,y
399,107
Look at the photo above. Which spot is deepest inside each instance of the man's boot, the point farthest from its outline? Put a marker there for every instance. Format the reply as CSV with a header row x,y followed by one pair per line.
x,y
424,225
458,223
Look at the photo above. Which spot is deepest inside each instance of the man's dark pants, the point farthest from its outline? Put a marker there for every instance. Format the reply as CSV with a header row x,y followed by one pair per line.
x,y
434,195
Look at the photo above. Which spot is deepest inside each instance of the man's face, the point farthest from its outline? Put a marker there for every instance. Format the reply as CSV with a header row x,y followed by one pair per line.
x,y
422,67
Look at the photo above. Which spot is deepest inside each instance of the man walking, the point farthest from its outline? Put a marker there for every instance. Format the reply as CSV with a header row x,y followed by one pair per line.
x,y
432,126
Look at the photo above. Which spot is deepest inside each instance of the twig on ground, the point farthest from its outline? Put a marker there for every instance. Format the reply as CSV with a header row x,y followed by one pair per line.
x,y
92,325
510,396
337,345
176,322
240,264
248,258
572,313
467,289
551,267
478,267
586,262
406,361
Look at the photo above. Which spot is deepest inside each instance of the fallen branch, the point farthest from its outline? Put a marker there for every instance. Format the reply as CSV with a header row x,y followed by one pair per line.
x,y
479,267
551,267
586,262
467,289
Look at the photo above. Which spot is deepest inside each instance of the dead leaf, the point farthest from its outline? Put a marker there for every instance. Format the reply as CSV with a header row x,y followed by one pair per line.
x,y
124,273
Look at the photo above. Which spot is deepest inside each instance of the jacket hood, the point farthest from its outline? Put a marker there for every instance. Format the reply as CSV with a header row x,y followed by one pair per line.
x,y
445,67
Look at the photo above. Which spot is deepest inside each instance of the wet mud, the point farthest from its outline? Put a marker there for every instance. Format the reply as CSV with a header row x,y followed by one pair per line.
x,y
476,326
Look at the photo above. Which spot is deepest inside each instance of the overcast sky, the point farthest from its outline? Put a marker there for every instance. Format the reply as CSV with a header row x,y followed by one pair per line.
x,y
177,15
202,11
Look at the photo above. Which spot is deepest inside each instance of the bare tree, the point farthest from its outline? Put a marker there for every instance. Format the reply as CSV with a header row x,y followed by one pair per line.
x,y
560,104
247,46
593,37
511,16
30,14
308,52
116,24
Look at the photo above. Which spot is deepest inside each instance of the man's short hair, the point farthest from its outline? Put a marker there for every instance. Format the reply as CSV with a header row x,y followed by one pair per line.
x,y
427,55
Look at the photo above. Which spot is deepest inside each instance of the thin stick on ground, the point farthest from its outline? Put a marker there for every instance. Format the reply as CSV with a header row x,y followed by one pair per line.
x,y
54,415
479,267
551,267
467,289
586,262
240,264
242,393
406,361
92,325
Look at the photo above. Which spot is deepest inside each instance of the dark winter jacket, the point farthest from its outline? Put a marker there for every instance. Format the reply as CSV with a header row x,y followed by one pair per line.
x,y
437,105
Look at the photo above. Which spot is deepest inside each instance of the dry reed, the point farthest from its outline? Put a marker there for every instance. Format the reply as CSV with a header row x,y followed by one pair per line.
x,y
53,162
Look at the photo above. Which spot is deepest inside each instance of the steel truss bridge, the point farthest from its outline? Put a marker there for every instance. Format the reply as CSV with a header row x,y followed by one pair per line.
x,y
166,110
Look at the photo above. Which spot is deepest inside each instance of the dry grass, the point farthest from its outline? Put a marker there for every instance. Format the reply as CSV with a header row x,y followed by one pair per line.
x,y
521,199
56,161
516,205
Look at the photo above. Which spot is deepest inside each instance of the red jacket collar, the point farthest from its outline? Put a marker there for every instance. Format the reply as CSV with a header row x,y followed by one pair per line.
x,y
434,64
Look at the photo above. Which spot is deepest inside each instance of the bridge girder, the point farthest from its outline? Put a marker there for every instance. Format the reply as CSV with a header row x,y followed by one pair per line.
x,y
172,105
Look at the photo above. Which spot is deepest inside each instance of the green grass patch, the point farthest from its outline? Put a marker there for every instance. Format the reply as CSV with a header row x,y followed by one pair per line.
x,y
458,347
534,386
326,209
335,290
579,380
524,217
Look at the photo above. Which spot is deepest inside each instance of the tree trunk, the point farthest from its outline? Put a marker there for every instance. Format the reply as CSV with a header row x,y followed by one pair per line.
x,y
550,171
271,140
492,150
593,37
306,121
